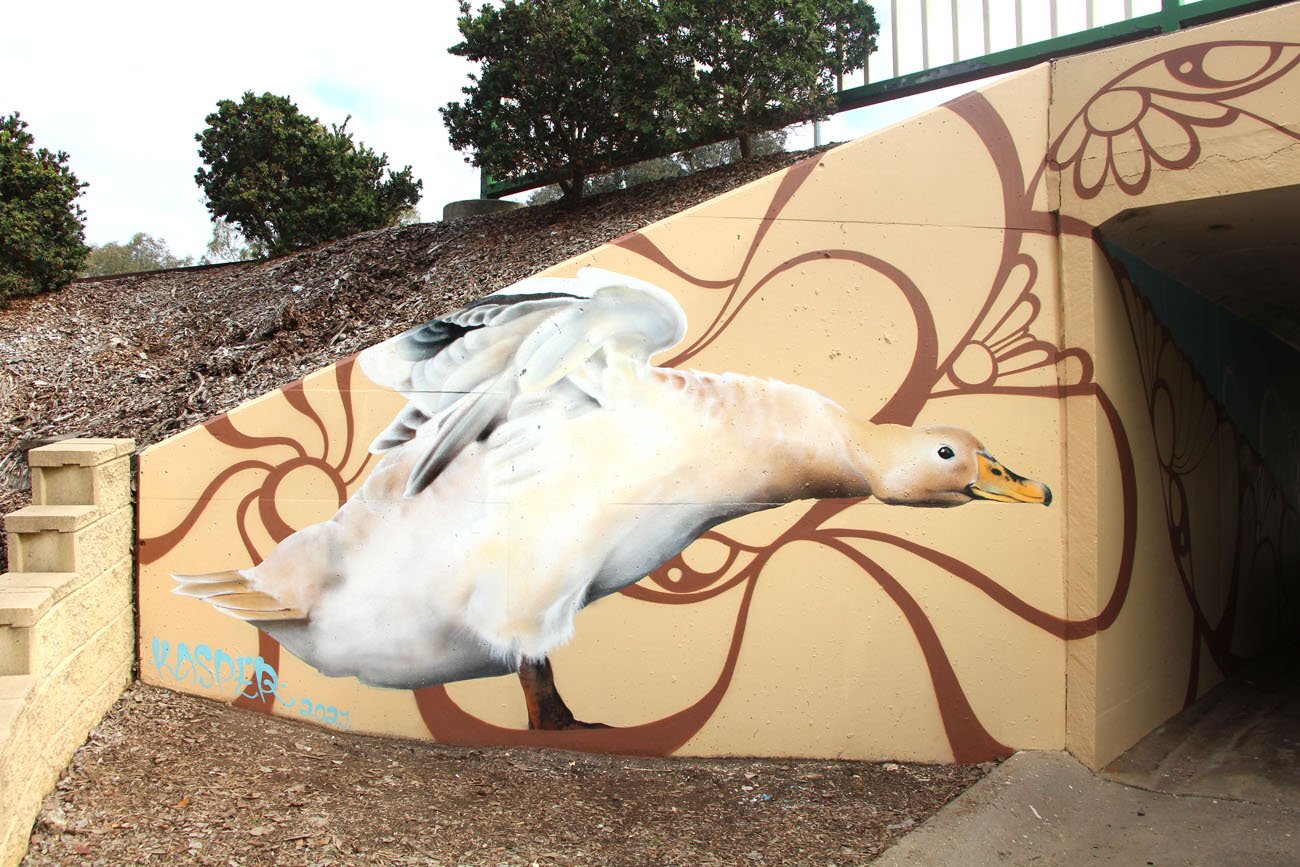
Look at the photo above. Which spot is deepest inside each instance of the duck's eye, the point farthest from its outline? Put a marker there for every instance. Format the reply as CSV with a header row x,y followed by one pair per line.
x,y
947,453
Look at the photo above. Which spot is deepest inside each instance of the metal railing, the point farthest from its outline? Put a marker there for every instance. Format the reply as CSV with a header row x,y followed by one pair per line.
x,y
927,44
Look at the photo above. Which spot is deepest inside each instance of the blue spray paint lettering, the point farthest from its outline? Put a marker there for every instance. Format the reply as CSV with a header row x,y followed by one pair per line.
x,y
207,667
229,672
250,676
265,681
159,650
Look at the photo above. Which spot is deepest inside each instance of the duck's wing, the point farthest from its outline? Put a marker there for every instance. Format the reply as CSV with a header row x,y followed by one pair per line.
x,y
531,347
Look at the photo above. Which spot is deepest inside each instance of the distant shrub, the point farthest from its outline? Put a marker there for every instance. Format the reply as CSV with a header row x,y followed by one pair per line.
x,y
141,253
285,181
41,230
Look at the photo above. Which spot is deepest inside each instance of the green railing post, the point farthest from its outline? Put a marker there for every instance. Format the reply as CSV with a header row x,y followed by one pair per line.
x,y
1170,15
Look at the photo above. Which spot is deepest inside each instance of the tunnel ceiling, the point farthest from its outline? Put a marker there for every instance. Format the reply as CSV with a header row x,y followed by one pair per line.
x,y
1241,251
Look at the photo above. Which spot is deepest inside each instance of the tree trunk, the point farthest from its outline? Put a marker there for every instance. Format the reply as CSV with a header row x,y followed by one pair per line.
x,y
572,188
746,141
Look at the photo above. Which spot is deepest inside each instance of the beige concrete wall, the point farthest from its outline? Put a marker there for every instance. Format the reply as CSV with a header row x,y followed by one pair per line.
x,y
66,620
832,628
1153,532
942,270
835,628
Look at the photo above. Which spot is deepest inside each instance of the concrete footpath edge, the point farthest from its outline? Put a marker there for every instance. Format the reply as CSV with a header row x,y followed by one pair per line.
x,y
1047,808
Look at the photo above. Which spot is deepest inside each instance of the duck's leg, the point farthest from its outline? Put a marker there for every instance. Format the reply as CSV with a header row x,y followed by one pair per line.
x,y
546,710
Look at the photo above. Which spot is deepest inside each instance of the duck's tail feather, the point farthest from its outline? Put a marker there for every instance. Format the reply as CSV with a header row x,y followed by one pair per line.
x,y
229,593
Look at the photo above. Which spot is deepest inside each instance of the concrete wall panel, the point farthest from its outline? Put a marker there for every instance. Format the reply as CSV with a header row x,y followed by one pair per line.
x,y
920,275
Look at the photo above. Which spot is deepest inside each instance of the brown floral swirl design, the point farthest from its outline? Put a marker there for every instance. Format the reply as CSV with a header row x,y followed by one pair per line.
x,y
1002,352
998,355
1193,435
337,461
1002,335
1150,114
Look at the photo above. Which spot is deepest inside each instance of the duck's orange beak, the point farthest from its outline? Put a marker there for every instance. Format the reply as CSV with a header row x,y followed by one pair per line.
x,y
996,482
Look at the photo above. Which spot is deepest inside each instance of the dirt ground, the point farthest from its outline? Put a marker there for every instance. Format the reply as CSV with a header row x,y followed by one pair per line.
x,y
173,779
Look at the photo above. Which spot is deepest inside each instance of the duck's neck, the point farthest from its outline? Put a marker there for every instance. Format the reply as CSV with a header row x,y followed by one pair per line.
x,y
847,459
813,449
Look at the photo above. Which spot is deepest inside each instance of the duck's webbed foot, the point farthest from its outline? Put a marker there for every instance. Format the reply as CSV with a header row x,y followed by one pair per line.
x,y
546,710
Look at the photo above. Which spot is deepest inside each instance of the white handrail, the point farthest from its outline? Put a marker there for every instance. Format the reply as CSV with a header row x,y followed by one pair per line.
x,y
916,39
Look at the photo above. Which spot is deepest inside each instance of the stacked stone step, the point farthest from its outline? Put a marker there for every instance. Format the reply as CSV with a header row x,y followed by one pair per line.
x,y
67,624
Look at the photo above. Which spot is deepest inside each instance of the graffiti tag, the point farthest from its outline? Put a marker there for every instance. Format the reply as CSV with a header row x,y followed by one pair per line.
x,y
252,676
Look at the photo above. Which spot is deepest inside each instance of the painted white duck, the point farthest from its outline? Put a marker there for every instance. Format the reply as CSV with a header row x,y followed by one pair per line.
x,y
543,462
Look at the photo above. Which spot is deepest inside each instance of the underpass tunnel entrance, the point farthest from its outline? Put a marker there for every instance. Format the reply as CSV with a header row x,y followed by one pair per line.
x,y
1218,281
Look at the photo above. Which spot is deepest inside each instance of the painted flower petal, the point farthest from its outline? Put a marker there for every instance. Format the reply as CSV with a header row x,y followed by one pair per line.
x,y
1070,144
1200,111
1094,164
1171,143
1131,161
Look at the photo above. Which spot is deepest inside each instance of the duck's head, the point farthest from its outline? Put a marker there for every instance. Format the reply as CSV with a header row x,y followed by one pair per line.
x,y
947,466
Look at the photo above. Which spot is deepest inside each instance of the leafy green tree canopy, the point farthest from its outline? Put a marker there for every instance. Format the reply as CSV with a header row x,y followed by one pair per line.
x,y
41,229
566,88
142,253
286,181
762,64
574,88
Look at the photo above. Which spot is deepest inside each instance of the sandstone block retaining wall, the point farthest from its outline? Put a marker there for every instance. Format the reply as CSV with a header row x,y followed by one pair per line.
x,y
67,620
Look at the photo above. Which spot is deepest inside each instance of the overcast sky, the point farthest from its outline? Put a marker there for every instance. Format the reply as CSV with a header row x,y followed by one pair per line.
x,y
124,88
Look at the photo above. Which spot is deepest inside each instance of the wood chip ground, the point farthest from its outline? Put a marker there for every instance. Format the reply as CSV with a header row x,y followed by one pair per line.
x,y
171,779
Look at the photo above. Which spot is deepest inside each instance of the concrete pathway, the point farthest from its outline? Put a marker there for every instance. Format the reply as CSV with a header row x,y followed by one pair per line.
x,y
1217,785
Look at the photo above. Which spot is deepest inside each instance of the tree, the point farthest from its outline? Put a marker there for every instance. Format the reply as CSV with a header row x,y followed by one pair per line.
x,y
566,88
41,228
227,245
763,64
142,253
285,181
615,179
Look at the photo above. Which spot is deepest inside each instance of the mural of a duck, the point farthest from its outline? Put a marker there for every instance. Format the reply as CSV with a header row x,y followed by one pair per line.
x,y
541,463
